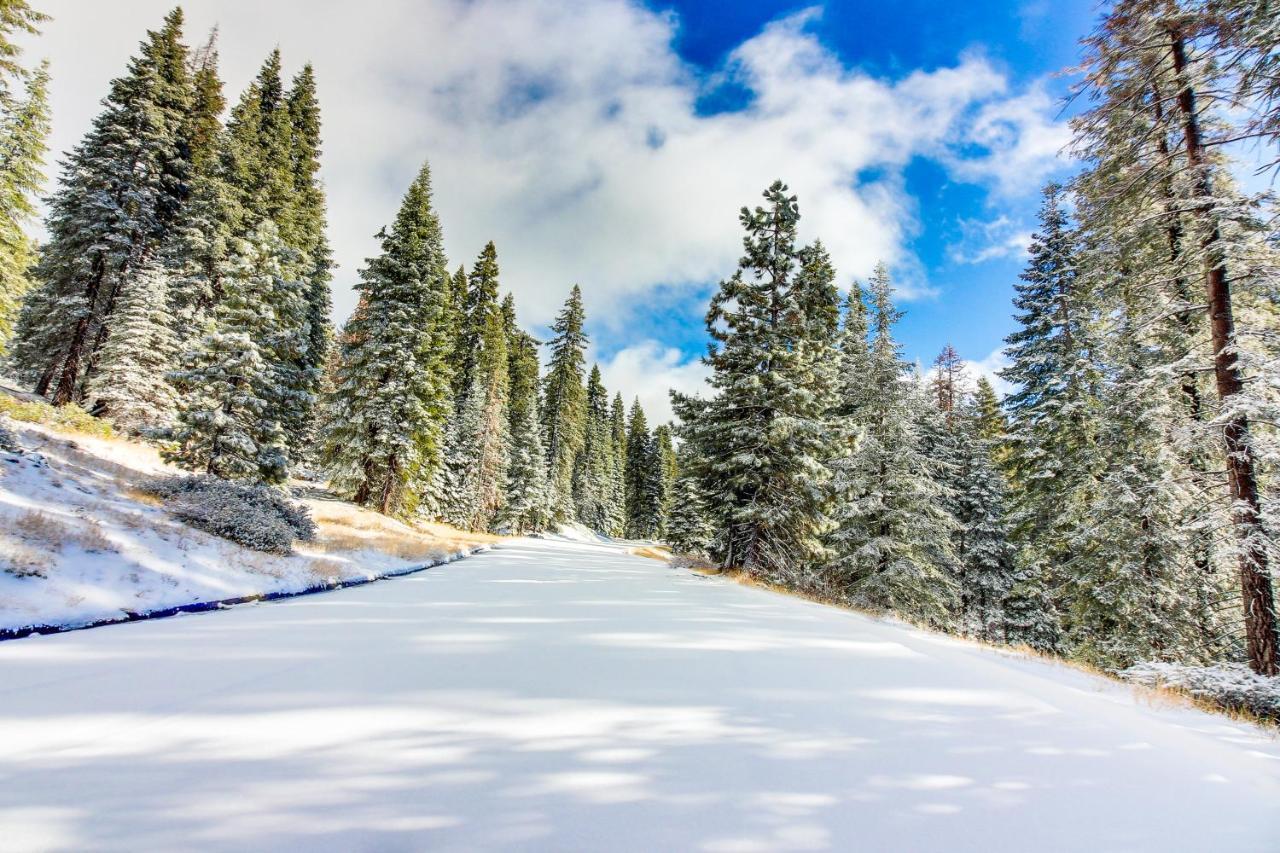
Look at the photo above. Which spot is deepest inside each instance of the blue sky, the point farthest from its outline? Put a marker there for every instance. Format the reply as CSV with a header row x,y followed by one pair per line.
x,y
611,143
1032,41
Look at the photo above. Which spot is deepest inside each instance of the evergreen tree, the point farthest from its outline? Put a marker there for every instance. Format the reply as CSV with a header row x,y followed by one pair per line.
x,y
1053,435
392,396
688,529
668,470
982,541
525,504
643,478
120,190
197,250
761,442
227,425
480,460
24,129
1158,186
593,473
310,222
893,538
564,412
618,476
131,385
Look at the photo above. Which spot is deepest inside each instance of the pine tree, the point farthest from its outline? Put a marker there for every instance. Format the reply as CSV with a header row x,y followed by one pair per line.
x,y
668,470
1054,410
197,248
643,478
481,461
121,188
392,397
24,129
688,529
893,539
564,412
479,297
310,222
947,383
525,505
618,476
593,472
227,425
761,442
981,541
1158,176
131,385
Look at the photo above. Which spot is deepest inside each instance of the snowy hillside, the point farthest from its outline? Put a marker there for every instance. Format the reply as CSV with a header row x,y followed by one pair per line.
x,y
82,544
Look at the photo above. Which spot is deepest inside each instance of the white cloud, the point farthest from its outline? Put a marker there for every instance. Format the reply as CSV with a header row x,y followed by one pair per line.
x,y
651,371
988,240
997,360
566,131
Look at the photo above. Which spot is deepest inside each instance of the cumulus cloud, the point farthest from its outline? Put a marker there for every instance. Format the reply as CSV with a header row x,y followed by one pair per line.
x,y
650,370
568,131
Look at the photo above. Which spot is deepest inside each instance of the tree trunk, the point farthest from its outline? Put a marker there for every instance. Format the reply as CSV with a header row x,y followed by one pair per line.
x,y
1242,476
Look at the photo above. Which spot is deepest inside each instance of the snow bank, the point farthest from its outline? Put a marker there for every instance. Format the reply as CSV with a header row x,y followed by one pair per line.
x,y
1230,685
81,544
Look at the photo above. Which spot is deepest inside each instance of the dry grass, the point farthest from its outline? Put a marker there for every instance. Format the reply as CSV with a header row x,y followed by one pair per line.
x,y
22,560
53,534
70,418
344,528
324,570
653,552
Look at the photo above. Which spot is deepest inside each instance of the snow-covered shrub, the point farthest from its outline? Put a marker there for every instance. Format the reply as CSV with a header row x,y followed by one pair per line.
x,y
1230,685
254,516
8,441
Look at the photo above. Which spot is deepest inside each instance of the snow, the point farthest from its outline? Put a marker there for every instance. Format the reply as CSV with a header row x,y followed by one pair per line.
x,y
555,695
68,512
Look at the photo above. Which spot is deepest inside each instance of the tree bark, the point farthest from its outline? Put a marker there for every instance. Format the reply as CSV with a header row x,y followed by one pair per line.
x,y
1242,475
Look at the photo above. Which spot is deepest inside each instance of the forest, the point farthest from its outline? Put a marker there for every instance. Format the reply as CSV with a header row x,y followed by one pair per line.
x,y
1118,506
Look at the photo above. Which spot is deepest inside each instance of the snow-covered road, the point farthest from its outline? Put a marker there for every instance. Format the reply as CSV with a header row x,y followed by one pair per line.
x,y
561,696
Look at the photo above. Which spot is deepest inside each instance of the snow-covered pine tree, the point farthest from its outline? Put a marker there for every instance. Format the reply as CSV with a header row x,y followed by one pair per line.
x,y
948,381
478,299
525,506
1131,581
392,396
1159,74
980,505
121,188
688,528
309,221
131,384
564,411
668,470
1053,410
618,476
760,443
196,249
226,425
893,535
593,471
643,478
479,460
24,130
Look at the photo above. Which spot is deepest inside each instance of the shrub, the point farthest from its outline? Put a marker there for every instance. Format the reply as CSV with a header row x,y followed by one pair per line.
x,y
1230,685
8,441
254,516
